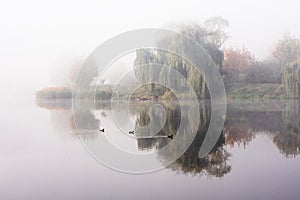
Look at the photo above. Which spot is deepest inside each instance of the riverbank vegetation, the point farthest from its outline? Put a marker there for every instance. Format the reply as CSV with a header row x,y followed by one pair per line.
x,y
244,76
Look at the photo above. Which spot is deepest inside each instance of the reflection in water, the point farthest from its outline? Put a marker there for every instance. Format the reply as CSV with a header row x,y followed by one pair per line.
x,y
289,140
280,120
213,164
55,105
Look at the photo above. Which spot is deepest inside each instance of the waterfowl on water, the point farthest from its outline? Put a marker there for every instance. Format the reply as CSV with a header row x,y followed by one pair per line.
x,y
131,132
170,136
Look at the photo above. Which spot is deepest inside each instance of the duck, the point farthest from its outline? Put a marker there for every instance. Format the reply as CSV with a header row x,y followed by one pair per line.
x,y
170,136
131,132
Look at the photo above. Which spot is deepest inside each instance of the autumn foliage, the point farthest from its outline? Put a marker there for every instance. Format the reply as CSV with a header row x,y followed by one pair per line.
x,y
238,59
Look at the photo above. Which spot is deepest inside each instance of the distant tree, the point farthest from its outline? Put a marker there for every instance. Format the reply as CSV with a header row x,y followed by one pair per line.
x,y
74,70
238,59
88,73
287,49
290,79
267,71
216,28
287,54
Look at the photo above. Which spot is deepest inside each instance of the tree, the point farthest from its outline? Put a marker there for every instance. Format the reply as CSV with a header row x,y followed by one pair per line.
x,y
209,36
267,71
216,27
290,79
287,53
238,59
74,70
287,49
87,74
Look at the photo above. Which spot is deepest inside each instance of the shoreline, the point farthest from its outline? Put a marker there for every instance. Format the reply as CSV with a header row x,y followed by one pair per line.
x,y
252,92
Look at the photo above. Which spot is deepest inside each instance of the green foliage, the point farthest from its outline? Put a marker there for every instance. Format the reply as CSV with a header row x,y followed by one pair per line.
x,y
290,79
103,93
210,38
100,93
255,92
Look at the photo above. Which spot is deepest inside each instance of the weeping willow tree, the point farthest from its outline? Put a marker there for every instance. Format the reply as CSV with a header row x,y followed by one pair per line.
x,y
209,37
290,79
287,53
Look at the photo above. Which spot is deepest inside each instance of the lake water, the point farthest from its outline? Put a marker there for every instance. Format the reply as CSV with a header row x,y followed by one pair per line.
x,y
42,157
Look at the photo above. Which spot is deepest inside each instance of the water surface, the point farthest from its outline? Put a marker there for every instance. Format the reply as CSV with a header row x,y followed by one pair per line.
x,y
256,157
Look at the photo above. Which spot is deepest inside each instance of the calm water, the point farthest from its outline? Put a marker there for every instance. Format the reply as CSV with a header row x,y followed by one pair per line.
x,y
256,157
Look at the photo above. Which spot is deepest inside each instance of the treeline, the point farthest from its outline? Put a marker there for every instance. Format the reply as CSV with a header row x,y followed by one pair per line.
x,y
281,67
241,66
238,66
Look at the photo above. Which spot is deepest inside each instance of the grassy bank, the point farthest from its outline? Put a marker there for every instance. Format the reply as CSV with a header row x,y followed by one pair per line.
x,y
255,92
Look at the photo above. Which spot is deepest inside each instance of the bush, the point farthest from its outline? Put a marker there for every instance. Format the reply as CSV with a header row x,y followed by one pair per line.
x,y
50,93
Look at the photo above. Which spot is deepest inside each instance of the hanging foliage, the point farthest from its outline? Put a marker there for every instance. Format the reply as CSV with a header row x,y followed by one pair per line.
x,y
201,35
290,79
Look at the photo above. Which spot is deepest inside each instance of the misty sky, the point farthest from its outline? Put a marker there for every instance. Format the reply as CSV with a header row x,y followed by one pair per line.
x,y
40,39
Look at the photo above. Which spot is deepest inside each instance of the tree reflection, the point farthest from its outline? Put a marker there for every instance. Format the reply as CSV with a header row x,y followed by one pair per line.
x,y
214,164
288,141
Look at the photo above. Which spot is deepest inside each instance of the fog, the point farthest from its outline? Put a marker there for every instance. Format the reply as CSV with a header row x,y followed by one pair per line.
x,y
39,40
